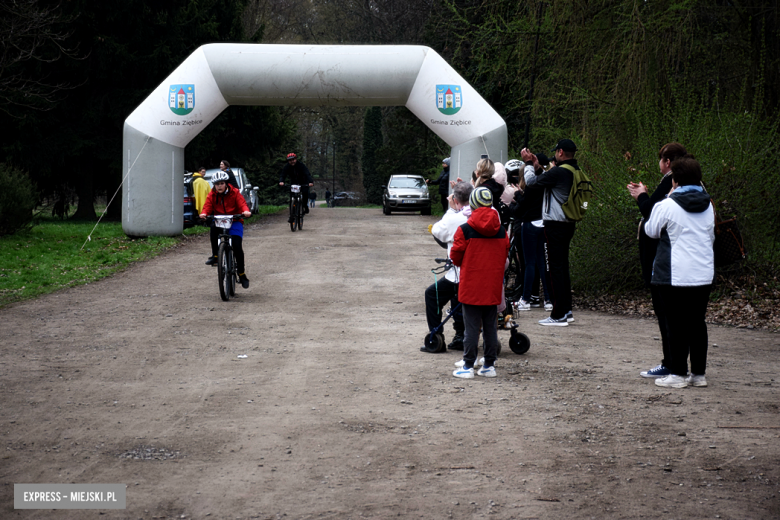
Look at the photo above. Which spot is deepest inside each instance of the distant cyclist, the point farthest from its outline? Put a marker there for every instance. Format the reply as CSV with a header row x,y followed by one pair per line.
x,y
224,199
299,174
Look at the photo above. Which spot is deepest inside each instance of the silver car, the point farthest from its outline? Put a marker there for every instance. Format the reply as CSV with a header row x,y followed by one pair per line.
x,y
406,193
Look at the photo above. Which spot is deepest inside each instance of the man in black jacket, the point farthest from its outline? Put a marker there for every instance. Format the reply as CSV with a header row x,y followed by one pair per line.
x,y
444,184
558,228
299,174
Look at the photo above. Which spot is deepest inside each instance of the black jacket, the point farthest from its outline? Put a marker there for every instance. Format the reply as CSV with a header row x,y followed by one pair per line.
x,y
299,174
648,246
443,181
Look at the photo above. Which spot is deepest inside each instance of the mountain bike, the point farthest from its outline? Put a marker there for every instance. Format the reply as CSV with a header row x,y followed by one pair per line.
x,y
226,262
297,208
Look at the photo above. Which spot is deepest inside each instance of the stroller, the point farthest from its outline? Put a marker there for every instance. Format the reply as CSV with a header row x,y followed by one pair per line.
x,y
434,341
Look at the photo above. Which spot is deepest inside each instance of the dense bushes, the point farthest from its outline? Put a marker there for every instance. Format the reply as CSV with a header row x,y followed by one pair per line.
x,y
18,198
737,151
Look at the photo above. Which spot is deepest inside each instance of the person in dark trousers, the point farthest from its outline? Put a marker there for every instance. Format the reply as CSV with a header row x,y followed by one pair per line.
x,y
480,249
298,174
527,211
224,199
648,246
327,197
558,228
446,289
312,198
683,270
444,184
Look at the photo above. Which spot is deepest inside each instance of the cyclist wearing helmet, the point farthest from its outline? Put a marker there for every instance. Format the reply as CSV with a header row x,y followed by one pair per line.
x,y
299,174
224,199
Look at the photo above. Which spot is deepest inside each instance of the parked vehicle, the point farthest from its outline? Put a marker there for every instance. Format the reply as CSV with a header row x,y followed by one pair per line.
x,y
247,190
406,193
345,198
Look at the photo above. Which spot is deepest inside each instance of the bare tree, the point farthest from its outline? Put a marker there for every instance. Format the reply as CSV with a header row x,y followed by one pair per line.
x,y
31,33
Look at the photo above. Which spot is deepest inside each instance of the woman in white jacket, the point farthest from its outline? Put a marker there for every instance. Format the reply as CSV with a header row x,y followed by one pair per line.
x,y
684,269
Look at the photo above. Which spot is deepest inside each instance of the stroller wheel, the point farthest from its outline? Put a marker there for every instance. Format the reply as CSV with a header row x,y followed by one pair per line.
x,y
434,343
519,342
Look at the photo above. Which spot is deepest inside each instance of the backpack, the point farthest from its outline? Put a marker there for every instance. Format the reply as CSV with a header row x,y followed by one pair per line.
x,y
579,196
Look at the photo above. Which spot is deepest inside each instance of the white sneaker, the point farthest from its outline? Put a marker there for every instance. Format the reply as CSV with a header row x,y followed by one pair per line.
x,y
487,372
547,305
480,362
550,321
569,317
696,380
672,381
522,305
464,373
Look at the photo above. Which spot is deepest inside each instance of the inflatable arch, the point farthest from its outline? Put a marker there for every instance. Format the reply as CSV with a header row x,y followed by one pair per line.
x,y
218,75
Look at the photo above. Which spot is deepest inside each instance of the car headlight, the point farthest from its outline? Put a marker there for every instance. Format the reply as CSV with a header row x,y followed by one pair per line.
x,y
392,194
425,195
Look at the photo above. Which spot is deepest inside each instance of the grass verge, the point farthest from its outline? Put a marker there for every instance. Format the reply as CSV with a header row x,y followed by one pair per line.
x,y
49,257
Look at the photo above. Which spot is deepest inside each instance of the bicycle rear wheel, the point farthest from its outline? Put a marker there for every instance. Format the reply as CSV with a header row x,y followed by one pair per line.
x,y
293,214
222,272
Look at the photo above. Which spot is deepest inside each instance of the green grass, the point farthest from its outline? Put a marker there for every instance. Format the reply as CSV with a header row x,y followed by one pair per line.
x,y
50,257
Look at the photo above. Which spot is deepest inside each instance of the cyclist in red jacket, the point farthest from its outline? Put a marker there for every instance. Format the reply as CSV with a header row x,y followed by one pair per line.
x,y
224,199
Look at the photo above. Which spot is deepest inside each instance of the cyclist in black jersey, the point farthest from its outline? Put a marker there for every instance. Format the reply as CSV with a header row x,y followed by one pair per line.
x,y
299,174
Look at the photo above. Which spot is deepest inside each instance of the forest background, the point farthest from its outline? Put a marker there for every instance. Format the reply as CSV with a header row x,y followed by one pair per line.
x,y
620,77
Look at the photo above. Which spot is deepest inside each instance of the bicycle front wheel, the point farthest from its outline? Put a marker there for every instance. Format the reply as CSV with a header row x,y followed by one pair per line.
x,y
223,272
231,264
301,213
293,214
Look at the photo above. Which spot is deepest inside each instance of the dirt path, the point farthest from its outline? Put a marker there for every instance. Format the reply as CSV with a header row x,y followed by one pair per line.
x,y
336,414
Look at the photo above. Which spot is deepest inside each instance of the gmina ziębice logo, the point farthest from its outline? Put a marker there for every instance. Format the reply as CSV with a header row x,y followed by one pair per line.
x,y
449,99
181,99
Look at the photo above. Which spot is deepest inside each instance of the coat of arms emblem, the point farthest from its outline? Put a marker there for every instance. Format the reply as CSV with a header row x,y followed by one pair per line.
x,y
449,99
181,99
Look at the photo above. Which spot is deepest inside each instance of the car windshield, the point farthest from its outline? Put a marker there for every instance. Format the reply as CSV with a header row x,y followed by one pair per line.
x,y
407,182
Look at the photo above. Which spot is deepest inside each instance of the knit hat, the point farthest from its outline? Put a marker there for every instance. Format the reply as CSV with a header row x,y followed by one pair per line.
x,y
446,161
480,197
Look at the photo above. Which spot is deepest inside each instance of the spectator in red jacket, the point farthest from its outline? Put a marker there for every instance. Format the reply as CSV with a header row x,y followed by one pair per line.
x,y
480,249
225,199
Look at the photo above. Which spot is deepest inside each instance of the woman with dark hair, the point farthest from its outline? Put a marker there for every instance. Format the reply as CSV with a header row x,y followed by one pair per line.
x,y
647,246
683,271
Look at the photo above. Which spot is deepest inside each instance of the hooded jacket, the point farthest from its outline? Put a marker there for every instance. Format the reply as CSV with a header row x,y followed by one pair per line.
x,y
200,190
229,203
685,224
480,249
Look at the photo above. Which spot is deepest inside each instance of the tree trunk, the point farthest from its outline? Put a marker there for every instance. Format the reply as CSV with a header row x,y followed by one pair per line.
x,y
86,199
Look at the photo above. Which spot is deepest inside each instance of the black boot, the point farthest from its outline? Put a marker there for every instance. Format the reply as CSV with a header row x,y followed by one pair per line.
x,y
457,342
212,260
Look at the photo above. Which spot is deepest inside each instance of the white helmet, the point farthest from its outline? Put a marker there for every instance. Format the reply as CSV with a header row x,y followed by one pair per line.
x,y
513,165
220,177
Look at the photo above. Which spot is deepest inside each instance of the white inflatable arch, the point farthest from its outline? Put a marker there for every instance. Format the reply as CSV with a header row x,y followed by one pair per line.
x,y
218,75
